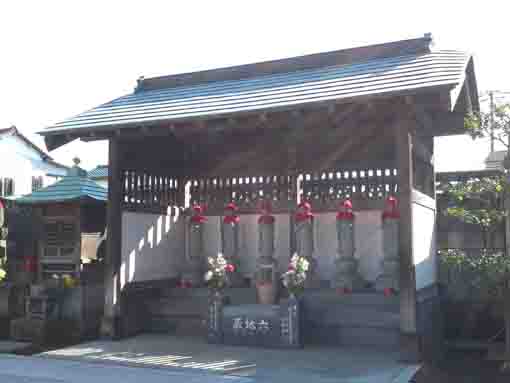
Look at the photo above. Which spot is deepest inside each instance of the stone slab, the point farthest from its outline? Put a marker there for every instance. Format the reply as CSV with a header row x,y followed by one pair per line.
x,y
262,325
310,364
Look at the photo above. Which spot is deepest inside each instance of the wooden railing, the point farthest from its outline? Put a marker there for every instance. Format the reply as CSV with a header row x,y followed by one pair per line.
x,y
326,189
245,192
142,191
154,193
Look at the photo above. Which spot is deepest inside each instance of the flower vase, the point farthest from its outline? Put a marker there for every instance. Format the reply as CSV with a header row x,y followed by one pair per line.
x,y
266,293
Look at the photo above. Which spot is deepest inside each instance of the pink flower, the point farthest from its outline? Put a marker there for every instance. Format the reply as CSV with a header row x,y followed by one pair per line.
x,y
291,268
230,268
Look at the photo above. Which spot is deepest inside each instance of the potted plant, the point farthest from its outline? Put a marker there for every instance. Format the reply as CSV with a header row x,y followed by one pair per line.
x,y
295,277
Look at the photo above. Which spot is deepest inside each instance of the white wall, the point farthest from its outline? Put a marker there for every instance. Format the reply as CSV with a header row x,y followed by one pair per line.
x,y
424,245
21,162
367,243
152,246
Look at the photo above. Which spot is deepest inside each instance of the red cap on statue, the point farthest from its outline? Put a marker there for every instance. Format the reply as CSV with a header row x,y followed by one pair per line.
x,y
391,209
345,211
304,212
231,217
265,208
198,216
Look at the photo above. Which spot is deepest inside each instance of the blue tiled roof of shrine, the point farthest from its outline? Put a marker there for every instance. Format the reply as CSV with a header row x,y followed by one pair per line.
x,y
70,188
100,171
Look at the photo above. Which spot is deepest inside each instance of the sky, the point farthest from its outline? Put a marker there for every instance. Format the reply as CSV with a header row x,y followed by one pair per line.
x,y
60,58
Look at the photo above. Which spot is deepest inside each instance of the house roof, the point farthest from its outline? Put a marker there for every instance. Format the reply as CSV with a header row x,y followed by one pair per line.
x,y
495,160
396,68
75,187
13,131
98,172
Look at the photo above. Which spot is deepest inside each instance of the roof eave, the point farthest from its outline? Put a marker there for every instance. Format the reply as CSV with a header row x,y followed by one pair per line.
x,y
55,138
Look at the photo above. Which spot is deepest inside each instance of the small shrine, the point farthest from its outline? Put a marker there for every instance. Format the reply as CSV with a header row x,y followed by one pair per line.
x,y
312,177
64,271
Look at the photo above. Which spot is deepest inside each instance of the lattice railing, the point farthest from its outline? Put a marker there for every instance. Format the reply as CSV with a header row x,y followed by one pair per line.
x,y
326,189
246,192
142,191
147,192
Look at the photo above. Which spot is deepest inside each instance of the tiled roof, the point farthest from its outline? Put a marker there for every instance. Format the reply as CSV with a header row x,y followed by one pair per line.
x,y
374,77
69,188
100,171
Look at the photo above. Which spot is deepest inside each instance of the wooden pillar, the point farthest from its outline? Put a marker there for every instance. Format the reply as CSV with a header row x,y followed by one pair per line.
x,y
110,323
408,330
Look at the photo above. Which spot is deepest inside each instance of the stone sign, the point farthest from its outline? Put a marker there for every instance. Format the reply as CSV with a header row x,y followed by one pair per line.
x,y
262,325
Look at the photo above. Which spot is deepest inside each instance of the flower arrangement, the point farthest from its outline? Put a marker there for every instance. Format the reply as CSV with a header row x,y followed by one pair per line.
x,y
294,278
216,276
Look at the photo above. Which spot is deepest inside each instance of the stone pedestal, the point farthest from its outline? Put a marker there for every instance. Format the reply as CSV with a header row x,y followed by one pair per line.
x,y
347,275
266,277
390,276
216,302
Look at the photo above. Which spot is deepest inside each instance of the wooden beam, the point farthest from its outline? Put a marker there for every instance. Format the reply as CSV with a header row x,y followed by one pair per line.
x,y
408,326
114,240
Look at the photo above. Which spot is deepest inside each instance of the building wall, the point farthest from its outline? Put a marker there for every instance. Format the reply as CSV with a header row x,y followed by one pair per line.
x,y
21,163
424,243
154,246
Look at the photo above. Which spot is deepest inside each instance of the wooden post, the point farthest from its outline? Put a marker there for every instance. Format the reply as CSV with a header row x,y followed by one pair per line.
x,y
409,340
109,326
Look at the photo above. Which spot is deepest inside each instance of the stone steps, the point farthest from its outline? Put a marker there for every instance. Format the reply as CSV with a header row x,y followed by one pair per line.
x,y
372,299
359,319
183,311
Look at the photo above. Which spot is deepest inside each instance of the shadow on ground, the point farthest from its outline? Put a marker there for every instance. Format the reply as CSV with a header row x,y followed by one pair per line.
x,y
463,367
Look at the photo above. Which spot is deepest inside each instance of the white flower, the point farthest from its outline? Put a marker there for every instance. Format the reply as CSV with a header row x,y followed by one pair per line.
x,y
221,261
208,276
211,260
304,264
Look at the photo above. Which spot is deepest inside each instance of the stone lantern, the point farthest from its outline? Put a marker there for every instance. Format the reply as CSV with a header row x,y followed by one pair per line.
x,y
389,279
266,277
195,262
347,277
230,241
304,232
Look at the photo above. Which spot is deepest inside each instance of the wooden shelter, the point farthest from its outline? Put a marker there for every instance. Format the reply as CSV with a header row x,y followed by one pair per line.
x,y
356,123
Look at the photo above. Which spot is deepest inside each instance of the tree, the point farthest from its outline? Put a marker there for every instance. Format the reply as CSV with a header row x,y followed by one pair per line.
x,y
478,201
485,201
